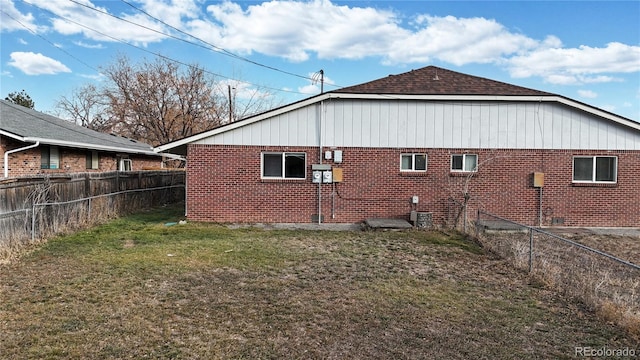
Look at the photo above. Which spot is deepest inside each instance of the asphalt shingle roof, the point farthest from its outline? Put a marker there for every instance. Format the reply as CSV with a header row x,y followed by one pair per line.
x,y
27,123
432,80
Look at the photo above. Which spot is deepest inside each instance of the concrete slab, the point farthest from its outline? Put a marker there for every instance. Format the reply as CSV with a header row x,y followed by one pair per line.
x,y
299,226
388,224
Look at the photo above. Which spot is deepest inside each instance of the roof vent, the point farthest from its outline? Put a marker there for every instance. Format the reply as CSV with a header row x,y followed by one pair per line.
x,y
436,78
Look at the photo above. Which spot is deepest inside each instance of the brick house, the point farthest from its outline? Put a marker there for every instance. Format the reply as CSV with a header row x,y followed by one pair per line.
x,y
32,143
419,141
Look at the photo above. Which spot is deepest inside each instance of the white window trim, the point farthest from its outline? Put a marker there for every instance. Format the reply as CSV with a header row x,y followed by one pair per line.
x,y
464,163
413,162
283,155
95,163
126,161
593,173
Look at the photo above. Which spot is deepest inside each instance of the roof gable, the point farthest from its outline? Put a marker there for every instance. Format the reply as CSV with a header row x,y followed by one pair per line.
x,y
25,124
430,83
432,80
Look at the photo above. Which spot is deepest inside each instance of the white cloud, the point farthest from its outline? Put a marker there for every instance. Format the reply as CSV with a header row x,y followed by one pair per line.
x,y
11,19
89,46
94,77
310,89
587,94
22,41
294,30
171,11
458,41
299,30
241,90
36,64
101,22
577,65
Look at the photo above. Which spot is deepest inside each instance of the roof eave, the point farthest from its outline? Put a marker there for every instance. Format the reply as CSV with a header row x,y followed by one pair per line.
x,y
72,144
12,135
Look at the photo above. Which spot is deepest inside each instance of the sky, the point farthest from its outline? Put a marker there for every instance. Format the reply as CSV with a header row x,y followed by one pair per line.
x,y
588,51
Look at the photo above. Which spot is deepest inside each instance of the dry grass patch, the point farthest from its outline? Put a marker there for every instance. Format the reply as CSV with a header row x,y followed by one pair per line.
x,y
605,286
114,292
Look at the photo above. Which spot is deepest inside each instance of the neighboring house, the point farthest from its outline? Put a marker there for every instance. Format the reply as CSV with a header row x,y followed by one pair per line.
x,y
420,141
32,142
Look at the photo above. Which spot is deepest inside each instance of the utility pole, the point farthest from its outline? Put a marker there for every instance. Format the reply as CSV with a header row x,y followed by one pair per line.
x,y
314,79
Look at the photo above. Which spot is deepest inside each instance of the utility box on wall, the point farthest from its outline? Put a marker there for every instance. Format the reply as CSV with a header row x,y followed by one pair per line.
x,y
337,174
538,179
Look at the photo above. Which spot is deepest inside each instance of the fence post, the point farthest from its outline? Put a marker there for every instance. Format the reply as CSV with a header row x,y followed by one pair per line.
x,y
530,250
33,222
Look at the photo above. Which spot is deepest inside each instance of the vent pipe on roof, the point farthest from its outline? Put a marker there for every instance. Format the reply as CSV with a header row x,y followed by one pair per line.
x,y
6,156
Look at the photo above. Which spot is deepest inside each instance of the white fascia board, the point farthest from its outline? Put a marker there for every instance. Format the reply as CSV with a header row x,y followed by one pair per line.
x,y
12,135
91,146
607,115
438,97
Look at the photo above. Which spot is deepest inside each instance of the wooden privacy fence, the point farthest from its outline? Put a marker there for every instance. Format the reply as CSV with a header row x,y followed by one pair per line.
x,y
36,208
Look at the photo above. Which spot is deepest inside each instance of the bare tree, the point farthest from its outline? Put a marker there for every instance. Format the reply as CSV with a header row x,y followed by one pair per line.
x,y
87,107
460,189
161,101
158,103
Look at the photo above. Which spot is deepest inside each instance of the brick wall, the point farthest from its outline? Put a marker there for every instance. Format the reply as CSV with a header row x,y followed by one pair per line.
x,y
224,185
71,160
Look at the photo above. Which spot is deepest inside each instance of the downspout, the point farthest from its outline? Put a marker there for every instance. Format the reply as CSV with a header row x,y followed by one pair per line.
x,y
6,156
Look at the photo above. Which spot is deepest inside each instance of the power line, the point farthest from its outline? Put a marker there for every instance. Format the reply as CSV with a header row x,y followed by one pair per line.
x,y
209,46
50,43
157,54
227,52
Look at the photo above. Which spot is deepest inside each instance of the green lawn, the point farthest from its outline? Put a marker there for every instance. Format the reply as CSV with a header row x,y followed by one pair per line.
x,y
136,288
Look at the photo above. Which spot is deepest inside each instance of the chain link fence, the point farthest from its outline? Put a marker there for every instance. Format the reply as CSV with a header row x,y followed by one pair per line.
x,y
604,282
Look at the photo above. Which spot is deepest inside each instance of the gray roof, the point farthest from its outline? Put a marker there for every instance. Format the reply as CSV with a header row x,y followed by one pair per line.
x,y
28,125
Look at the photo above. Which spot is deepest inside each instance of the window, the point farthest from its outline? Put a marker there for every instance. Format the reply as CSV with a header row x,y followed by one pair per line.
x,y
413,162
92,160
125,165
464,162
595,169
49,157
284,165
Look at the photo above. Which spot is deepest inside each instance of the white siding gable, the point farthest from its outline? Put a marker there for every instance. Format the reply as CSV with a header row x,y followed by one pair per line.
x,y
397,123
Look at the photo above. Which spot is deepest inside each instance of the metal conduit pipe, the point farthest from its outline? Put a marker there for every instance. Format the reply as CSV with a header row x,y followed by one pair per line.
x,y
6,156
